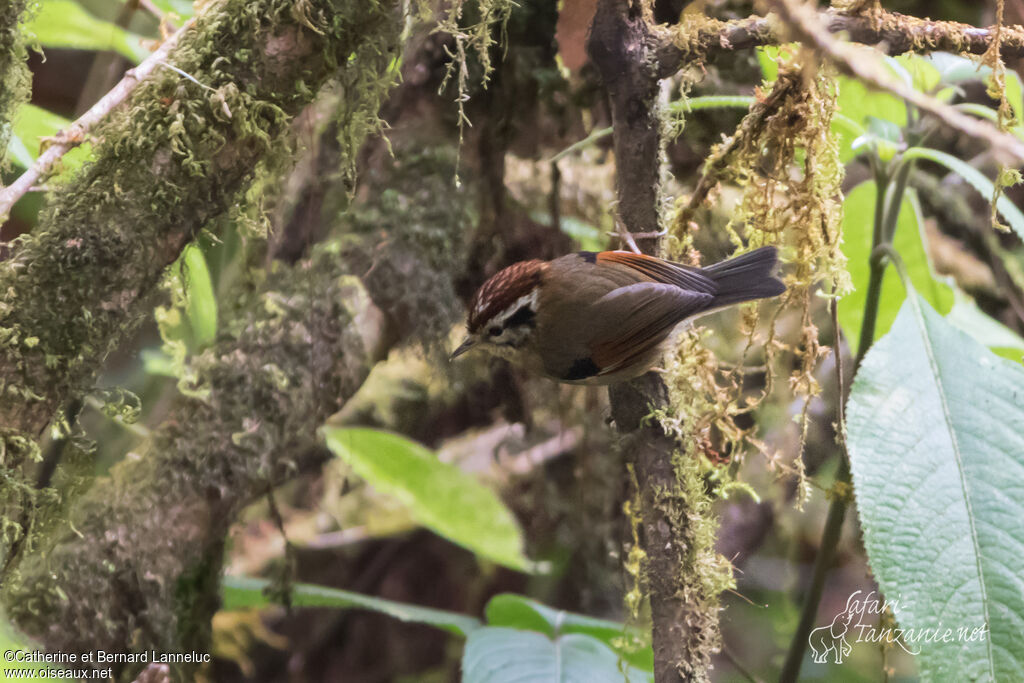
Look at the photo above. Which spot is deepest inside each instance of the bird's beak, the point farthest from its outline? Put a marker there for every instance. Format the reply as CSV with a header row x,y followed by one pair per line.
x,y
466,345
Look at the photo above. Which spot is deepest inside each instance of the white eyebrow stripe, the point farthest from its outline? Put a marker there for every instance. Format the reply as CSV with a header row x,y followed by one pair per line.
x,y
526,300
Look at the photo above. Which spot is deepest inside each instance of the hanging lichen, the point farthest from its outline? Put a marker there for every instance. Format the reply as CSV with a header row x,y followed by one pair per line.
x,y
1005,115
787,163
477,37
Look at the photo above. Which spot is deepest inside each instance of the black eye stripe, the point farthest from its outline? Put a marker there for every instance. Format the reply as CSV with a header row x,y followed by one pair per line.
x,y
523,316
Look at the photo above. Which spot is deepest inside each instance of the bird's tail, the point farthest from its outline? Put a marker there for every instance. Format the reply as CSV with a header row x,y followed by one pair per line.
x,y
746,277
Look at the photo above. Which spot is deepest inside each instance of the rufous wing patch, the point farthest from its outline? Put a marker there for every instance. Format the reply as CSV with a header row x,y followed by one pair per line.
x,y
660,270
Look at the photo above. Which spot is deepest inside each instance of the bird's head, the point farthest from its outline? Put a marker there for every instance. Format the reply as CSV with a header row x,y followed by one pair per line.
x,y
503,312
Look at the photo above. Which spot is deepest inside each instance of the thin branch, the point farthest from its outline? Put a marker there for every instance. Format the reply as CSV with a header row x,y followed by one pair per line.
x,y
74,135
805,25
684,630
892,32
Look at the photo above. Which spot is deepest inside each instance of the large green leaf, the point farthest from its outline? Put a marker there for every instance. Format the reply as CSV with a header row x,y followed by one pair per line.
x,y
517,611
64,23
496,654
985,330
241,592
857,102
858,221
936,440
440,496
975,179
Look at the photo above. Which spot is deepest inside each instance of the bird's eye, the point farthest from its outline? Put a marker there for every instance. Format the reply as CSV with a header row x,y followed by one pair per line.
x,y
493,331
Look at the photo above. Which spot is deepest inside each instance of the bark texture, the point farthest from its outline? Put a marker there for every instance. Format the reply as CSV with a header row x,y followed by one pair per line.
x,y
138,565
172,158
14,76
623,47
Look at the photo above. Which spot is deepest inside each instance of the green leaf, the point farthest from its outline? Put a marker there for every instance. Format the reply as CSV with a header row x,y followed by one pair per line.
x,y
766,56
157,362
975,179
954,69
936,440
966,316
240,592
885,137
183,8
64,23
857,102
200,303
924,75
858,221
31,125
505,655
18,152
439,496
857,105
1015,95
517,611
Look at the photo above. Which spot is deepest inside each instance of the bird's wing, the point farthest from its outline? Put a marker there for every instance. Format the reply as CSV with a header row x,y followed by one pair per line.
x,y
659,270
631,321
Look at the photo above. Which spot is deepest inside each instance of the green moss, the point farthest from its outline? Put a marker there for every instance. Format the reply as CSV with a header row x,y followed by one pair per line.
x,y
472,26
15,80
291,354
412,229
175,156
168,162
138,562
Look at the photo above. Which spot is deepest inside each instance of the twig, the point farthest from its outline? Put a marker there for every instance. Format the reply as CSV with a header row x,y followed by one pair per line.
x,y
804,24
74,135
738,665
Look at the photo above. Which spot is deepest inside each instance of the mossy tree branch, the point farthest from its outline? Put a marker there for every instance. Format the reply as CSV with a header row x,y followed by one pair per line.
x,y
891,32
74,134
802,23
684,628
171,159
138,564
14,76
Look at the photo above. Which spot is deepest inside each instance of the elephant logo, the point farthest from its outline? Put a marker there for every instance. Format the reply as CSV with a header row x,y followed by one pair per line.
x,y
826,639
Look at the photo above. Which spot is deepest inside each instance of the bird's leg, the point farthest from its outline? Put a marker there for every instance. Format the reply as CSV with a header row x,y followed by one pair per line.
x,y
629,238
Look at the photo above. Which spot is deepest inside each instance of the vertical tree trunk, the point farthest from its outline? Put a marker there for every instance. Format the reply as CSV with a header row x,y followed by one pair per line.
x,y
623,48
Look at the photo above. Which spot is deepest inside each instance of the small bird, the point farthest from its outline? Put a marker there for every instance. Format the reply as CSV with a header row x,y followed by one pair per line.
x,y
607,317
